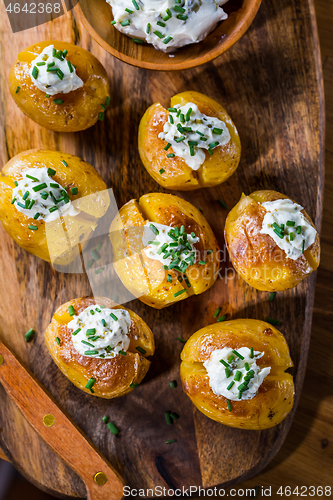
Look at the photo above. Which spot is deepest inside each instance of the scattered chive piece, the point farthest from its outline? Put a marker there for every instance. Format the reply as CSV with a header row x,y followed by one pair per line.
x,y
168,418
273,321
51,172
229,405
123,353
16,183
134,2
30,333
101,116
17,89
217,312
222,204
217,131
129,11
35,72
127,22
134,385
224,363
13,201
103,106
148,28
272,296
171,155
162,171
230,385
160,23
172,110
247,367
25,196
171,441
167,40
278,233
154,229
75,190
173,384
90,383
20,204
169,278
303,246
174,415
107,100
33,228
71,310
221,318
202,262
113,22
159,34
58,101
227,372
231,358
39,187
88,353
91,331
113,428
252,353
105,419
137,40
179,292
298,229
291,236
57,340
167,146
181,340
77,331
141,350
237,354
290,223
33,178
238,376
87,343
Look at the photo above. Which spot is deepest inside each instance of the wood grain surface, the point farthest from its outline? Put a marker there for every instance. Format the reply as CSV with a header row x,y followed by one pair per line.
x,y
270,84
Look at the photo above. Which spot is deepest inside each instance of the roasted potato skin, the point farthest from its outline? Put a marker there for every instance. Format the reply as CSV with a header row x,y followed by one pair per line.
x,y
78,173
113,376
178,175
255,256
149,282
276,394
81,107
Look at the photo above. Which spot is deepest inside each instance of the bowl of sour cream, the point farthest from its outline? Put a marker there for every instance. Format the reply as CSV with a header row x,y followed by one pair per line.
x,y
166,34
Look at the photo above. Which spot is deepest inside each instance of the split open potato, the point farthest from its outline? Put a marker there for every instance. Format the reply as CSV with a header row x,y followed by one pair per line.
x,y
58,241
275,396
114,377
255,256
80,108
174,172
146,278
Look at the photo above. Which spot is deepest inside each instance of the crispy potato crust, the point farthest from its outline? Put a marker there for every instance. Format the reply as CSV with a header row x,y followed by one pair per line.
x,y
78,173
81,107
255,256
145,277
178,175
113,376
276,394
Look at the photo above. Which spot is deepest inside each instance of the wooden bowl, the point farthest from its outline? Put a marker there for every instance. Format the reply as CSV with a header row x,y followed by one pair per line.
x,y
96,16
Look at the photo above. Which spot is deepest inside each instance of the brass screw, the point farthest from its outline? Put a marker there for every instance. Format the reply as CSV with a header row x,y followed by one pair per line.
x,y
100,478
48,420
1,359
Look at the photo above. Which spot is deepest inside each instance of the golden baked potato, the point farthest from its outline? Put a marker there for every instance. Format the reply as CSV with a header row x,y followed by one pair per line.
x,y
80,108
275,395
58,240
255,256
114,377
147,278
173,172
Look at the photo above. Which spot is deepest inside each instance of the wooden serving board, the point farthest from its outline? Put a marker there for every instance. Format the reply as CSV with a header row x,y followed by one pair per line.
x,y
270,83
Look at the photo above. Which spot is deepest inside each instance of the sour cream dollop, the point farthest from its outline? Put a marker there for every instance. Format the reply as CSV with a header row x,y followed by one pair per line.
x,y
191,133
37,196
288,227
157,240
222,375
44,75
167,24
100,332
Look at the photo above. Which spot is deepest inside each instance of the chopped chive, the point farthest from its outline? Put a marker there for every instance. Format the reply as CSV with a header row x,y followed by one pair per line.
x,y
162,171
160,23
168,418
35,72
179,9
105,419
113,428
17,89
222,204
227,372
221,318
134,385
91,331
231,358
71,310
291,236
192,152
51,172
167,146
238,376
174,415
273,321
76,331
30,333
75,190
39,187
54,185
217,131
159,34
252,353
88,353
60,74
113,316
230,385
16,183
171,155
171,441
135,3
32,178
127,22
148,28
278,233
13,201
101,116
303,246
154,229
290,223
25,196
33,228
58,101
70,67
224,363
64,163
247,366
20,204
57,340
107,100
298,229
87,343
123,353
167,40
229,405
103,322
202,262
137,40
181,340
129,10
173,384
182,17
113,22
237,354
272,296
169,278
172,110
141,350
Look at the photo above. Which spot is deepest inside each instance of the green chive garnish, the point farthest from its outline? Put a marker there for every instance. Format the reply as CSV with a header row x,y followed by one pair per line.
x,y
90,383
230,385
58,101
113,428
40,187
229,405
57,340
162,171
71,310
35,72
247,366
168,418
123,353
273,321
238,376
141,350
171,441
154,229
181,340
105,419
227,372
167,40
217,131
17,89
159,34
252,353
222,204
33,228
30,333
272,296
113,22
217,312
134,385
224,363
91,331
171,155
87,343
76,331
179,292
298,229
173,384
113,316
75,190
303,246
90,353
237,354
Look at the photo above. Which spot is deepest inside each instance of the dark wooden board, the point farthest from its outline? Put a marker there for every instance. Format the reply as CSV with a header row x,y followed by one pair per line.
x,y
270,83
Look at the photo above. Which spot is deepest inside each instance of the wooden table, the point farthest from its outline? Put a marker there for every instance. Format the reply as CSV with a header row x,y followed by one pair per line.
x,y
306,457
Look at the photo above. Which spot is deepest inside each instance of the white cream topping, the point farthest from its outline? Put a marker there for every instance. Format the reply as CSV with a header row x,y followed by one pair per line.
x,y
217,373
105,334
201,132
183,21
52,82
157,246
298,234
41,199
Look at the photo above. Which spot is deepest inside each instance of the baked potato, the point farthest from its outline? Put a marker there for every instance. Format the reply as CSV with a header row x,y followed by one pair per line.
x,y
258,257
270,402
51,234
155,279
102,376
172,171
69,110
